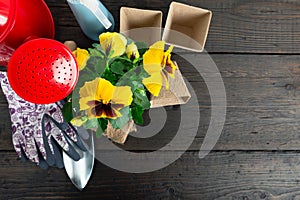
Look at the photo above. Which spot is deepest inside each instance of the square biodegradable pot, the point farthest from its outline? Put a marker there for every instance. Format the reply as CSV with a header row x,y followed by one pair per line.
x,y
187,26
141,25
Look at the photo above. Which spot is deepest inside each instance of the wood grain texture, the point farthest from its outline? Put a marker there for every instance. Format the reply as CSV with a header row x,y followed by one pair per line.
x,y
221,175
262,106
255,45
243,26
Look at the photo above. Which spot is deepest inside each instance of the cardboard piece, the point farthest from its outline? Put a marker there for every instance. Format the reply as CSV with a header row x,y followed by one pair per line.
x,y
187,26
134,23
120,135
178,93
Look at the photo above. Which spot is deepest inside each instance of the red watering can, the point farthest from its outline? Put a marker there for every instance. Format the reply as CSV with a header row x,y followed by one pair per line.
x,y
21,21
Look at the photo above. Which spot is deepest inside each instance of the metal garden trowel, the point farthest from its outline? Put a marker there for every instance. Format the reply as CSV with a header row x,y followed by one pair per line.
x,y
80,171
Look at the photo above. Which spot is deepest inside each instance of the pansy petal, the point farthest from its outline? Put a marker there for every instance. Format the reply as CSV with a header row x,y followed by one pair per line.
x,y
152,68
98,89
155,54
122,95
170,49
104,91
112,114
119,45
101,99
105,113
170,67
132,51
82,56
88,93
89,88
84,102
169,61
153,83
159,45
113,42
106,36
90,113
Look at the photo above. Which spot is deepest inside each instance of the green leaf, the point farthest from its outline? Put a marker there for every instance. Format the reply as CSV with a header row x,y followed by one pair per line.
x,y
140,98
127,80
126,59
109,54
100,67
134,79
67,111
137,114
83,78
117,67
99,48
137,60
126,62
96,45
99,132
121,121
102,126
97,64
94,52
138,84
110,76
103,123
143,74
142,47
91,124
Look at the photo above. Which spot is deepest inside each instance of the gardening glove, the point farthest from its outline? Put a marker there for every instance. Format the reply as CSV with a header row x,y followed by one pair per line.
x,y
54,127
38,130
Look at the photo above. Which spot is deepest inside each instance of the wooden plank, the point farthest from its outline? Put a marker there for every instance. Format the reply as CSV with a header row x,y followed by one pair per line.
x,y
237,25
245,129
262,98
221,175
262,116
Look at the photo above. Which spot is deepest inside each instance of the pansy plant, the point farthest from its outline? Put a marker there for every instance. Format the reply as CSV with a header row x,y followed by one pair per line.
x,y
117,77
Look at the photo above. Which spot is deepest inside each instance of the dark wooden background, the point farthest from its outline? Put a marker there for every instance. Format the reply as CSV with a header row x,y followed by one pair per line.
x,y
256,46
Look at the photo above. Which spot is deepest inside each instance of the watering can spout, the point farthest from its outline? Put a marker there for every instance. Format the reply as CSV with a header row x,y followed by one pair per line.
x,y
93,6
92,17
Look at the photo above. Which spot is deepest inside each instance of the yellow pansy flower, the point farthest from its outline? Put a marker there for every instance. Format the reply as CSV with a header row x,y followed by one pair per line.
x,y
159,66
113,42
82,57
132,51
103,100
